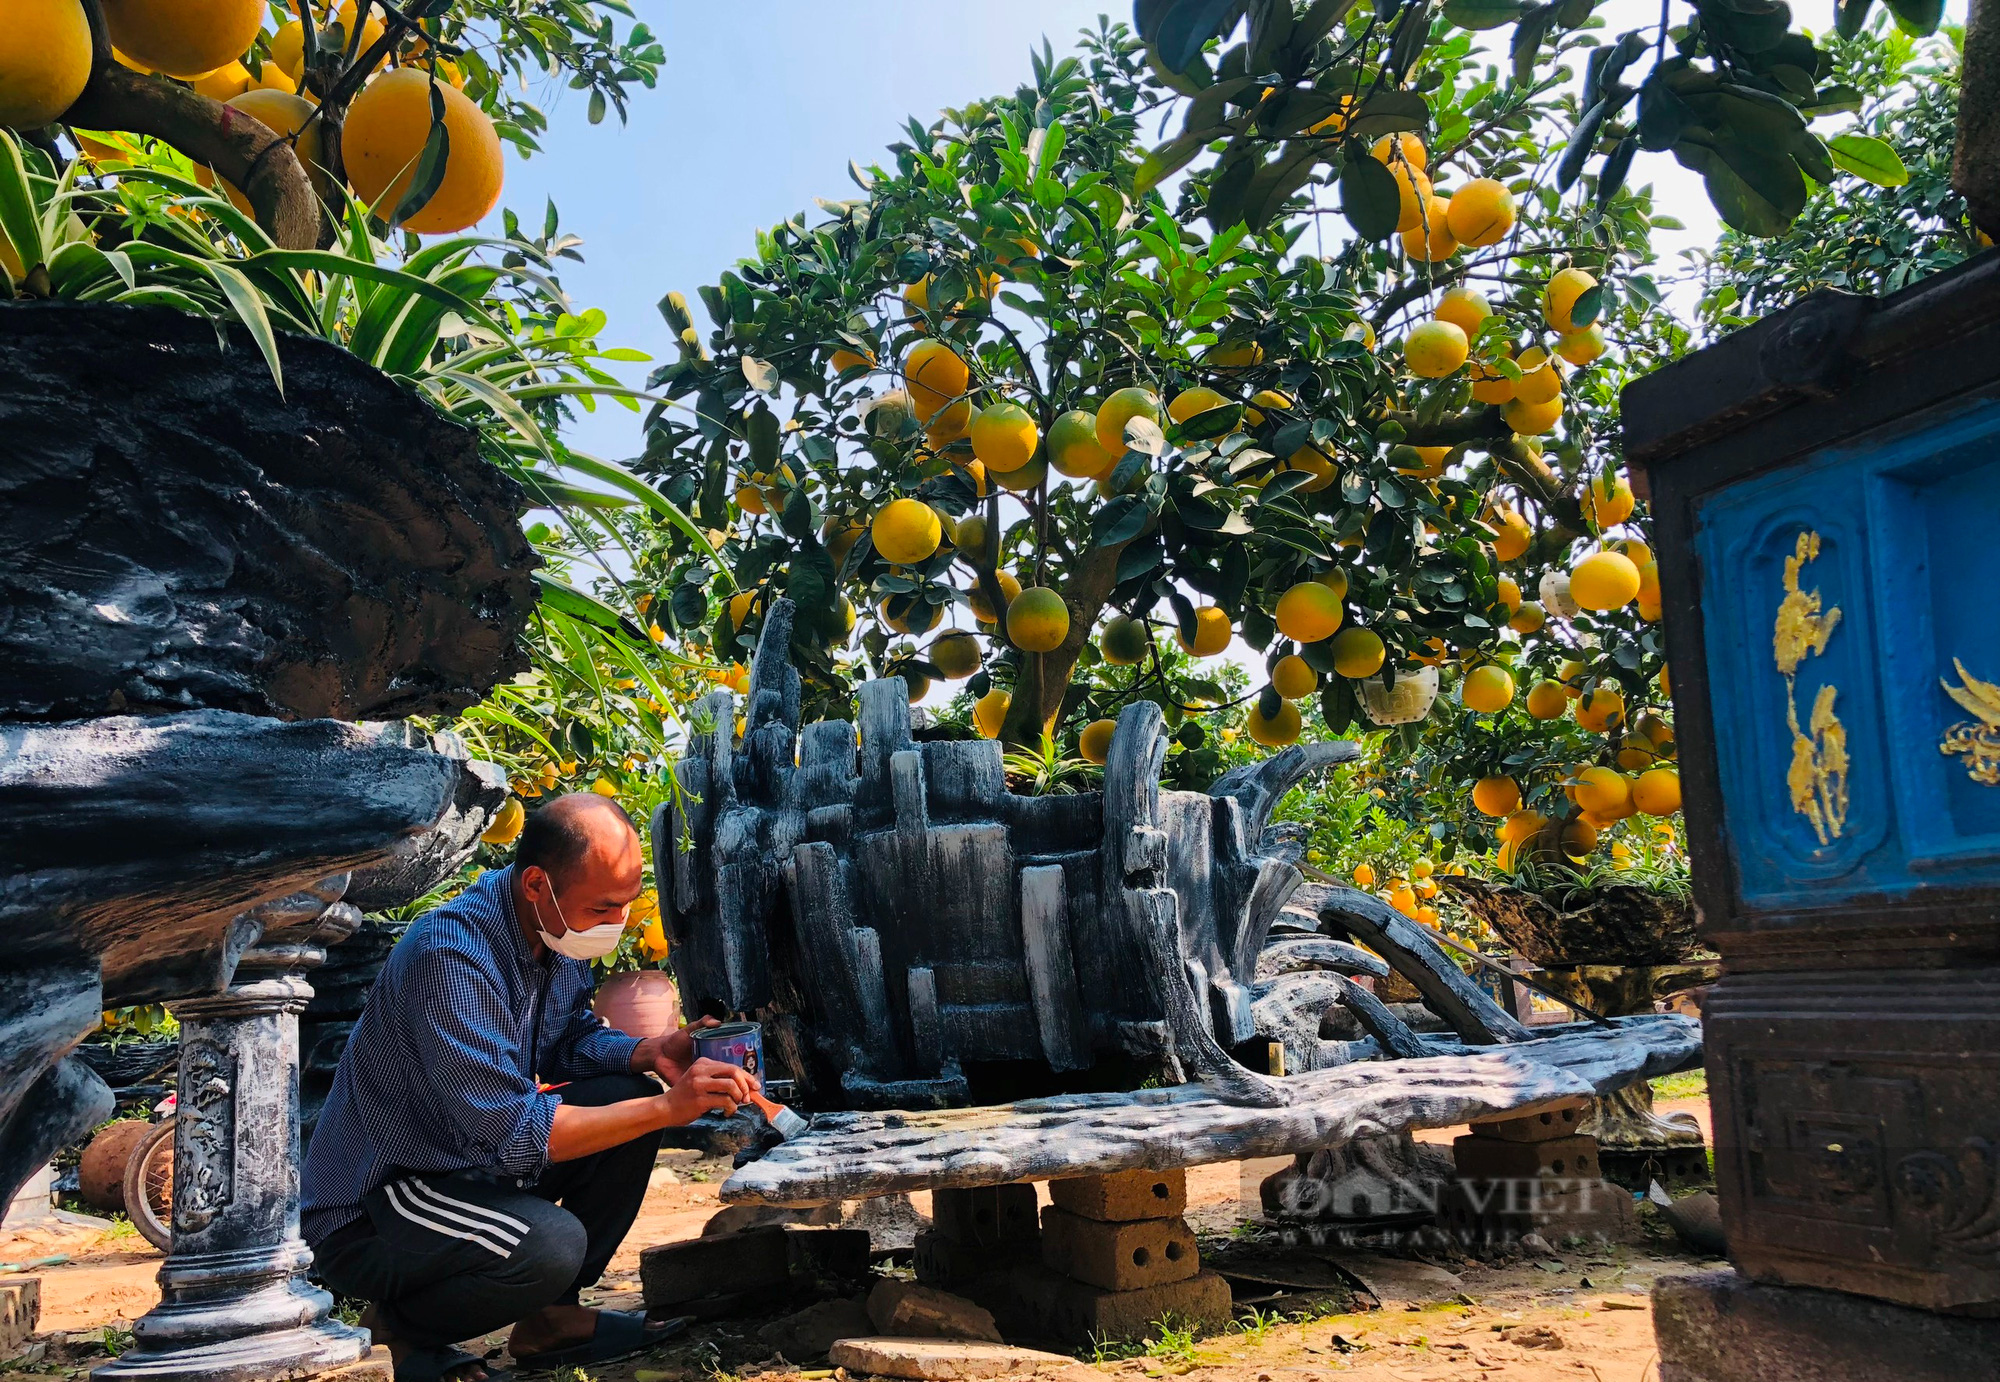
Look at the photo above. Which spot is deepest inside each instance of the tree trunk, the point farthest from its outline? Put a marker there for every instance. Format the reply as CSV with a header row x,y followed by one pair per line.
x,y
1975,164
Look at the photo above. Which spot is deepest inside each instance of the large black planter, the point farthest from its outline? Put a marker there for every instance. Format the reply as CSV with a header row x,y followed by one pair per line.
x,y
1824,488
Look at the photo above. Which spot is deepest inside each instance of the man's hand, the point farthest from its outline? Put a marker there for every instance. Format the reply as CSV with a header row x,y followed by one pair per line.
x,y
707,1086
670,1055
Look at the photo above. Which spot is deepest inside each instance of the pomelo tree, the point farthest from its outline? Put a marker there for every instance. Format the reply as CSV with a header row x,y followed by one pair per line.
x,y
1018,412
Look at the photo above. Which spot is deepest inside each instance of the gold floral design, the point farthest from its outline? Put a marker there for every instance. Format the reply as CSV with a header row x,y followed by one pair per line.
x,y
1979,738
1818,773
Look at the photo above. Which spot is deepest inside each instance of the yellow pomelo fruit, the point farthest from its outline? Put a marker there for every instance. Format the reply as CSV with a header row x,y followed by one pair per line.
x,y
44,61
1604,580
1600,710
1521,826
1635,753
1603,791
970,535
283,114
184,38
1482,212
1124,641
387,127
1194,402
1487,689
1278,731
1559,299
1074,450
1364,876
1334,580
1212,632
1570,673
1635,549
1029,476
740,606
1425,462
1510,593
950,425
1235,355
1512,535
1649,583
288,49
1496,796
1489,385
956,655
1267,398
1529,618
1294,677
1308,612
1611,502
906,531
1578,838
1358,652
1434,349
1657,792
1465,308
1094,744
916,618
1412,149
1532,419
1666,686
225,83
507,823
1404,899
1539,381
1009,588
1547,700
840,535
1315,464
1431,240
935,375
844,360
1037,620
1422,868
1581,347
1004,437
1119,409
1414,189
370,32
989,712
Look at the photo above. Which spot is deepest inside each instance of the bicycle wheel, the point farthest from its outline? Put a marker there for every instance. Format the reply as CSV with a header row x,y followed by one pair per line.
x,y
149,1186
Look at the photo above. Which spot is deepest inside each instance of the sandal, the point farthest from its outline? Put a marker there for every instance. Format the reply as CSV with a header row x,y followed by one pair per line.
x,y
441,1365
619,1334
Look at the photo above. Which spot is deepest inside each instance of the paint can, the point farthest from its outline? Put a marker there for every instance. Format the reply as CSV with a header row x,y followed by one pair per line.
x,y
733,1043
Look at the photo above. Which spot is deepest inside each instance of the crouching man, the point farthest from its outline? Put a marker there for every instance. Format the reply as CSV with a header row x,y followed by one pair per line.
x,y
488,1141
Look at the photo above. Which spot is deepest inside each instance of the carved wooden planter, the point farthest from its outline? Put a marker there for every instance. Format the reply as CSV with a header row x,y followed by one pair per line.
x,y
1618,924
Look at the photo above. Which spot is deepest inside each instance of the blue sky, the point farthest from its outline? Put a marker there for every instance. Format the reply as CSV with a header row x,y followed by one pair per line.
x,y
758,111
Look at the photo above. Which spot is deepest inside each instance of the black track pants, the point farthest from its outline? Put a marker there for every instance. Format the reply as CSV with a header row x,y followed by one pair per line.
x,y
451,1256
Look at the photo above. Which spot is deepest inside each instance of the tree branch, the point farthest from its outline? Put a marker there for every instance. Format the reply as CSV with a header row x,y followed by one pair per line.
x,y
241,149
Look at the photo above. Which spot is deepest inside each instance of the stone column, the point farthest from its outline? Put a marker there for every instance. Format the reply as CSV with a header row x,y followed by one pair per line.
x,y
235,1302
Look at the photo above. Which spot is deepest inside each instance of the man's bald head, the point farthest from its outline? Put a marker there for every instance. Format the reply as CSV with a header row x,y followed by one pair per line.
x,y
570,834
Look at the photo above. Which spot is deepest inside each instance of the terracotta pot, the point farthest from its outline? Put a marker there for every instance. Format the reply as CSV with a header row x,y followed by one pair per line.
x,y
101,1174
1408,701
640,1003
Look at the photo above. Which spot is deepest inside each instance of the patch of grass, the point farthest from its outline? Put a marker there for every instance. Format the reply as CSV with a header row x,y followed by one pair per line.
x,y
1254,1324
1173,1337
1115,1350
116,1340
1685,1084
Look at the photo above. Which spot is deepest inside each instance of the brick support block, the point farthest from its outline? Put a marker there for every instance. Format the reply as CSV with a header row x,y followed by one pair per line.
x,y
1035,1302
1501,1210
986,1216
1558,1120
1481,1158
1128,1256
20,1309
942,1261
1125,1195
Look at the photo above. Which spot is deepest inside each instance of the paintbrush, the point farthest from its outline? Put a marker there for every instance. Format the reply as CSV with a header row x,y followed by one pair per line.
x,y
787,1123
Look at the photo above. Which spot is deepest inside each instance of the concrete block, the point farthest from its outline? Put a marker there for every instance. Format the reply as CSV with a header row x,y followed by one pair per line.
x,y
1127,1256
942,1261
987,1216
942,1360
1721,1327
1036,1302
1497,1211
810,1332
1558,1120
908,1310
1125,1195
20,1310
1480,1158
753,1260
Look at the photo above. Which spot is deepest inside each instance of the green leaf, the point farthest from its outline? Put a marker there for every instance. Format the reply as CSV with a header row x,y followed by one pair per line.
x,y
1483,14
1917,17
577,604
431,163
1369,197
1868,158
248,305
1186,26
18,221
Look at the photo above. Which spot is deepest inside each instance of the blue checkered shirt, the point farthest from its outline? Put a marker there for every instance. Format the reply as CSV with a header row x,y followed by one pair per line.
x,y
441,1071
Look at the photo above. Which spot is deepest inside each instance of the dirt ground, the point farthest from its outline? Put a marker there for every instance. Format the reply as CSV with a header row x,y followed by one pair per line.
x,y
1575,1314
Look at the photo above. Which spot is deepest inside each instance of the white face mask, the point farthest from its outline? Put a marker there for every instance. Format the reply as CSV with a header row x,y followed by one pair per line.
x,y
592,944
